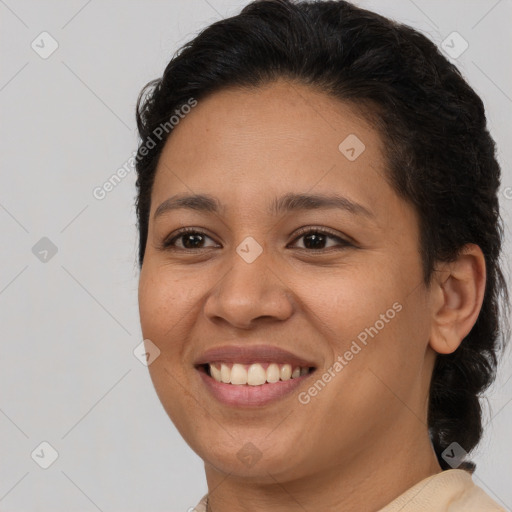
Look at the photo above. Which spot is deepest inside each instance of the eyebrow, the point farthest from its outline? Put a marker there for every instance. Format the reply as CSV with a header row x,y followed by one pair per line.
x,y
287,203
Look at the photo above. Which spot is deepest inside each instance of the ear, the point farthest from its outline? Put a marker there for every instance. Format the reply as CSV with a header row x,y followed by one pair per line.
x,y
457,293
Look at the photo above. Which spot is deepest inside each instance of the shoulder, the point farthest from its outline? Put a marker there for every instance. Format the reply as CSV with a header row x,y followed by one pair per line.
x,y
451,490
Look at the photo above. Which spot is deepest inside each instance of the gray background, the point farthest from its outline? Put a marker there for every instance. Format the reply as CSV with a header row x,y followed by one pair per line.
x,y
68,375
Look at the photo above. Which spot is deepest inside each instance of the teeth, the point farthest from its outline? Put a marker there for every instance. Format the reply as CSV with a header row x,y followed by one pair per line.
x,y
225,374
255,374
238,374
273,372
286,372
216,373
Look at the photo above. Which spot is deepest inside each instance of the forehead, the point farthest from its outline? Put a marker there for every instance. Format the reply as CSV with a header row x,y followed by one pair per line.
x,y
247,144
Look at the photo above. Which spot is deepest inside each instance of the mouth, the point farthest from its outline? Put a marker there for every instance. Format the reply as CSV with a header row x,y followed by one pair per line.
x,y
243,395
252,375
255,374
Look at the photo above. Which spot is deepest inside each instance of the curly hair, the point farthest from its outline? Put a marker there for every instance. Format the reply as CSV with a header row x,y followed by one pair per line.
x,y
439,153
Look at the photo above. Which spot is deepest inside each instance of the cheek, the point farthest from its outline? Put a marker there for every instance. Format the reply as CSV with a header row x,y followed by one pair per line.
x,y
343,305
372,321
164,302
163,306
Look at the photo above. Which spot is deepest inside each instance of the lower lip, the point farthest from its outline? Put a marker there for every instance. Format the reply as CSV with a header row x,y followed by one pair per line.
x,y
245,395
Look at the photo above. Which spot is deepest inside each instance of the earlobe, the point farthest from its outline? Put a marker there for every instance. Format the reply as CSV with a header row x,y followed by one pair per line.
x,y
457,294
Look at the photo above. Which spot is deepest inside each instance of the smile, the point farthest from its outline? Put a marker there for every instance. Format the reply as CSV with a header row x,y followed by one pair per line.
x,y
255,374
240,394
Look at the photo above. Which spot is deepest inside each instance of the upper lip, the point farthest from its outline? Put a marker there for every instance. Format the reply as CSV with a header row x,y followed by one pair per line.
x,y
246,354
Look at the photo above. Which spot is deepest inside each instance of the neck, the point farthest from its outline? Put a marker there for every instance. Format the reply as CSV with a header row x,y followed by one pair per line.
x,y
366,483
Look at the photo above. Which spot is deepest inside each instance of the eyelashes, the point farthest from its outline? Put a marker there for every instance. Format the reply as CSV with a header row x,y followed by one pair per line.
x,y
169,243
324,234
313,234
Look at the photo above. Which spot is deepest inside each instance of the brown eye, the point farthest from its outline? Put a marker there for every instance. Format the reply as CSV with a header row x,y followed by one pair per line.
x,y
315,239
188,239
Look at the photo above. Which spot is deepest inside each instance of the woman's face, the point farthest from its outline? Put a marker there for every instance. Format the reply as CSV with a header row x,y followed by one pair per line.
x,y
253,278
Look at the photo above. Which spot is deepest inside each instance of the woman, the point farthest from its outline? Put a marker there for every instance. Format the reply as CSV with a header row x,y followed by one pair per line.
x,y
320,283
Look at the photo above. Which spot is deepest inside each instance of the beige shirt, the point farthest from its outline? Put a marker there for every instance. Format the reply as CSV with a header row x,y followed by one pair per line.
x,y
452,490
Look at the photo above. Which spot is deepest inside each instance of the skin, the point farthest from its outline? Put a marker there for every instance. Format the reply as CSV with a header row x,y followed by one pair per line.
x,y
362,440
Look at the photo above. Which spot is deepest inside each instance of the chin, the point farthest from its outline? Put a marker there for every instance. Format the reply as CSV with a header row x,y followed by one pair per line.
x,y
254,457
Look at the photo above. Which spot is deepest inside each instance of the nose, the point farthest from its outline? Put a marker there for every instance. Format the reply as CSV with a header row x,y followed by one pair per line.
x,y
249,293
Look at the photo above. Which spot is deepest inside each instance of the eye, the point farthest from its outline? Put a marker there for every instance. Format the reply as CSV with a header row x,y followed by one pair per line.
x,y
191,238
315,239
